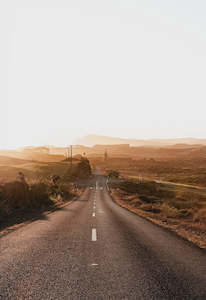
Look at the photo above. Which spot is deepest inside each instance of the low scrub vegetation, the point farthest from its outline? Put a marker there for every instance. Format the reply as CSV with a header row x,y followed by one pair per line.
x,y
113,174
147,191
170,201
17,196
175,166
25,195
180,208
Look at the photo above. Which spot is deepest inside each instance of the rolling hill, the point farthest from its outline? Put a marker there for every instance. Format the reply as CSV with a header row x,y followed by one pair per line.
x,y
92,140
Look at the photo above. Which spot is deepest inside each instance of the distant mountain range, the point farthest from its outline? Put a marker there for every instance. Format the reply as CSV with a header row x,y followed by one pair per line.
x,y
92,140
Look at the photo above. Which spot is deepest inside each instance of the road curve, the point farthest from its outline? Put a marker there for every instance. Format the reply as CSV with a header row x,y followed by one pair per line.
x,y
94,249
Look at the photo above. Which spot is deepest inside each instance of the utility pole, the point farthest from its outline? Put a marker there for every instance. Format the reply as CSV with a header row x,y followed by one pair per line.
x,y
67,153
71,155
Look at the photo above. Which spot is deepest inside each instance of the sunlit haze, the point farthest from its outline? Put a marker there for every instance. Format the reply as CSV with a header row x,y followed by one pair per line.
x,y
133,69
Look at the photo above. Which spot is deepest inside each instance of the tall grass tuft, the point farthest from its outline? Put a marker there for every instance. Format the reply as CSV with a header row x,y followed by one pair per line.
x,y
39,195
13,195
19,196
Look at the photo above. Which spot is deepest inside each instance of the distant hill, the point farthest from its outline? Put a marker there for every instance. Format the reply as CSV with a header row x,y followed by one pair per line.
x,y
31,155
11,161
92,140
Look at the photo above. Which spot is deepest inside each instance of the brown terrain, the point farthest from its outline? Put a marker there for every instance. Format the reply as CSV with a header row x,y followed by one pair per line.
x,y
166,184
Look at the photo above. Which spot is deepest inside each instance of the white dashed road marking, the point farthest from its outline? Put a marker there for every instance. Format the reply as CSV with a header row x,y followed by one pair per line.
x,y
94,234
93,215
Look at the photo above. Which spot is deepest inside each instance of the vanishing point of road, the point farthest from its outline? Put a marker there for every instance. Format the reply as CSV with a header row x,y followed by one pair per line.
x,y
94,249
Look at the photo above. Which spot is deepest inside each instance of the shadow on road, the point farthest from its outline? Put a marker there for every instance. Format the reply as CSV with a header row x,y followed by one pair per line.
x,y
21,218
81,200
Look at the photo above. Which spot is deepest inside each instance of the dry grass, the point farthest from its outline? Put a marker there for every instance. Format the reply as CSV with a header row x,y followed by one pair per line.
x,y
38,185
179,208
15,196
200,216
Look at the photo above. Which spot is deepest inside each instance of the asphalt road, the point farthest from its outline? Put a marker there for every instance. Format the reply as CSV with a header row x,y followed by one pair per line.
x,y
94,249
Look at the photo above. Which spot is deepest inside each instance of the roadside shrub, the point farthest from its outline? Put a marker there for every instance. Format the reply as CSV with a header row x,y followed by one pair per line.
x,y
136,203
39,195
65,190
14,195
200,216
149,190
150,208
128,186
19,196
191,196
129,198
179,203
148,199
185,213
188,200
164,193
168,211
113,174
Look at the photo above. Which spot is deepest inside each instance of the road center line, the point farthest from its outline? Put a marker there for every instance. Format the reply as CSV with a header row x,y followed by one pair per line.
x,y
94,234
93,215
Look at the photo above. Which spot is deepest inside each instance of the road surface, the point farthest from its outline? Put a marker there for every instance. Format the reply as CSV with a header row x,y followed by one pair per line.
x,y
94,249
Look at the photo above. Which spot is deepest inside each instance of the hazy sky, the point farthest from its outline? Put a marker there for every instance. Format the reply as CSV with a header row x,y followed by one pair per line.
x,y
120,68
